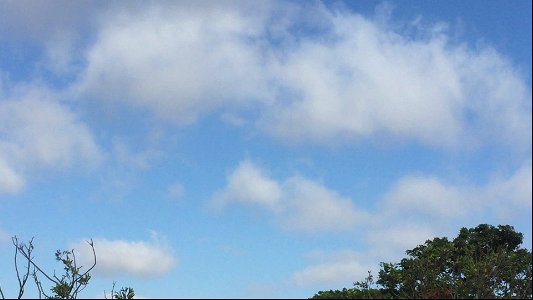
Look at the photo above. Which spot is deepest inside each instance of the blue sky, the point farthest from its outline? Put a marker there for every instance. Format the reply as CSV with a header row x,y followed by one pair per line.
x,y
258,149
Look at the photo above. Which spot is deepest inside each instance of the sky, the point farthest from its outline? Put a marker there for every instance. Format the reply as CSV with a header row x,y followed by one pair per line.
x,y
258,149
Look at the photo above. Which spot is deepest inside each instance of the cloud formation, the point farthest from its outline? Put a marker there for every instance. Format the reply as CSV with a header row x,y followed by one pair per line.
x,y
407,217
191,66
349,76
364,79
312,207
10,181
339,267
38,132
298,73
297,203
503,196
122,257
304,205
247,184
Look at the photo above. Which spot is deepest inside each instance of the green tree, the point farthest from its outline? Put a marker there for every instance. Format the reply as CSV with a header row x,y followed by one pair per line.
x,y
481,262
490,263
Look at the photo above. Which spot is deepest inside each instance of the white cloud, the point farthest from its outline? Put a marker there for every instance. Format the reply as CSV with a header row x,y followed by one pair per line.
x,y
342,267
122,257
392,239
364,79
37,132
46,133
248,184
10,181
407,214
298,204
504,196
190,67
303,205
406,217
312,207
335,272
350,76
509,196
427,195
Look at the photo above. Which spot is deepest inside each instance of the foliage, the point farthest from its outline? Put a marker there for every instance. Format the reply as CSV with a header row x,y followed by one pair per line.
x,y
124,293
345,293
481,262
66,286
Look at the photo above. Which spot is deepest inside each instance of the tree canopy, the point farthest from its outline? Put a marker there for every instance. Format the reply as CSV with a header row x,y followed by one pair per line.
x,y
481,262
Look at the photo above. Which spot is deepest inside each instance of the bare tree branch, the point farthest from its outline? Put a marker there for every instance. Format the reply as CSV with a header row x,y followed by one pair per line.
x,y
24,248
66,286
30,260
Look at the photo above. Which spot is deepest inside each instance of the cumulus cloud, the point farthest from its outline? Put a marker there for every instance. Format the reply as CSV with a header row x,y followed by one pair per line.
x,y
312,207
339,267
504,196
427,195
298,203
364,79
304,205
122,257
248,184
190,67
347,76
39,132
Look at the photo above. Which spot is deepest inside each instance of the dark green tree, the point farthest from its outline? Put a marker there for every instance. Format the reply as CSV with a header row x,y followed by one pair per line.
x,y
481,262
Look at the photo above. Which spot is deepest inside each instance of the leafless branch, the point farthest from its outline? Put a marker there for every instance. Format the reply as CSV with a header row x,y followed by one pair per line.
x,y
112,291
26,249
30,261
39,285
80,287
